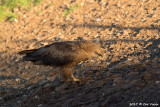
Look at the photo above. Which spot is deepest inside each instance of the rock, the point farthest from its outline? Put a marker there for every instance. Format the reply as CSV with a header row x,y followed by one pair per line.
x,y
147,77
118,81
1,100
79,38
158,83
98,19
97,36
57,39
40,105
16,20
17,80
116,76
131,74
67,103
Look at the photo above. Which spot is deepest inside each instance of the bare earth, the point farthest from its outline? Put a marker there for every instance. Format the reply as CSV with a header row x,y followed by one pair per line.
x,y
129,33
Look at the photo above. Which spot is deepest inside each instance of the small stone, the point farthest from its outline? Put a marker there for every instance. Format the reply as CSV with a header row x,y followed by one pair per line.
x,y
115,76
45,43
129,59
15,87
38,38
131,74
3,55
44,21
18,101
40,105
97,36
82,3
144,20
157,82
118,81
15,20
26,67
1,99
17,59
42,82
28,88
79,38
57,39
24,16
98,19
17,79
59,34
37,97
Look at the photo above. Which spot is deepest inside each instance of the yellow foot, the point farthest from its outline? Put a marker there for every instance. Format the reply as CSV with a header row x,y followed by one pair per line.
x,y
76,80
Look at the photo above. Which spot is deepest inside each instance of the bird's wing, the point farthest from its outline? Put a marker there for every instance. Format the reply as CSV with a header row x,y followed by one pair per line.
x,y
55,55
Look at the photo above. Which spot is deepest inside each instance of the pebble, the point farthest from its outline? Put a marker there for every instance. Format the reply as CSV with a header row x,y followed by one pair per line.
x,y
118,81
3,55
1,100
37,97
28,88
59,34
17,79
157,82
42,82
38,38
129,59
57,39
45,43
17,59
18,101
98,19
97,36
40,105
16,20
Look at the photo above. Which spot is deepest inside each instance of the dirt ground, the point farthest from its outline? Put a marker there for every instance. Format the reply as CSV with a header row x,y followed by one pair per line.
x,y
129,33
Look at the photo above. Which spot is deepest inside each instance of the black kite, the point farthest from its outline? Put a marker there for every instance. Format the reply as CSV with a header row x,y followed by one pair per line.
x,y
65,55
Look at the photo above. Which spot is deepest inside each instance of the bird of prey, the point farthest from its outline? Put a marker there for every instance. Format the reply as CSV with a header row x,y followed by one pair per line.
x,y
65,55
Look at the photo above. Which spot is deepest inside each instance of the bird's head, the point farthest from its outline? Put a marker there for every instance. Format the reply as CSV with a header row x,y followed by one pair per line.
x,y
98,52
93,50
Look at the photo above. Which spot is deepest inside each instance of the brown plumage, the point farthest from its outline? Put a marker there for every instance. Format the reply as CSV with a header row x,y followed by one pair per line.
x,y
65,55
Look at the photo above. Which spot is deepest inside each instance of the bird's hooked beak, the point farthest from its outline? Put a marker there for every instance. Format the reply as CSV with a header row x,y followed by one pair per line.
x,y
100,58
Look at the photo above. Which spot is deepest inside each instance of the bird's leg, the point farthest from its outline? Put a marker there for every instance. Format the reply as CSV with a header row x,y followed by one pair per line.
x,y
66,74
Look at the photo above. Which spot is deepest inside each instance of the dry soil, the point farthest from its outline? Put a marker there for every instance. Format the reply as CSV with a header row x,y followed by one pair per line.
x,y
129,33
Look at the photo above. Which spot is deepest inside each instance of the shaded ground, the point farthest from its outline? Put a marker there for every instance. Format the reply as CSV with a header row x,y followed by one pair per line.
x,y
129,33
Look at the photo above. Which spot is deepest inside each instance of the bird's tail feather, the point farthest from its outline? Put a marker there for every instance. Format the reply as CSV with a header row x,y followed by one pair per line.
x,y
27,51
